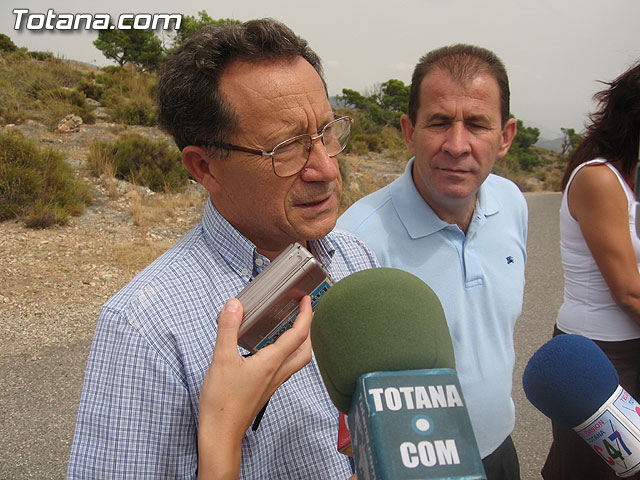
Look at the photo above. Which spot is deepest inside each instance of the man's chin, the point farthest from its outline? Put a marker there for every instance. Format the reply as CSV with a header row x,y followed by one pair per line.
x,y
316,228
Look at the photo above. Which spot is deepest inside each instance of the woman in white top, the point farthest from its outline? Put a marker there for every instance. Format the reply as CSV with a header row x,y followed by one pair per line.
x,y
601,257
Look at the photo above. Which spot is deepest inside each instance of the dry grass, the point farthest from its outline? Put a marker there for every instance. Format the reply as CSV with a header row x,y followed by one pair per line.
x,y
99,159
362,176
149,210
32,89
158,208
129,95
137,256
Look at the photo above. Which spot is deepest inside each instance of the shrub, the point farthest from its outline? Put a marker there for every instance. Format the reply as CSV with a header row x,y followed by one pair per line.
x,y
10,104
372,142
140,111
6,44
40,90
140,160
128,94
42,56
357,147
59,102
367,136
37,185
90,89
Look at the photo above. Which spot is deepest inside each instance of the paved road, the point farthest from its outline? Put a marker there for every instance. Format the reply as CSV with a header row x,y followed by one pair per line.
x,y
39,395
39,401
543,296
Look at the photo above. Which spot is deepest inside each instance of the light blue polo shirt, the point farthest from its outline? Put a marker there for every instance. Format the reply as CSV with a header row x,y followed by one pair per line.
x,y
479,278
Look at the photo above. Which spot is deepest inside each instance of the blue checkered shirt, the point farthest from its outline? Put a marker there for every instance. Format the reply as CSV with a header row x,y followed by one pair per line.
x,y
138,415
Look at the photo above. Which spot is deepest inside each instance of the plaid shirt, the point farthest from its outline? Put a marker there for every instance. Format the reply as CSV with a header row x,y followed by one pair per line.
x,y
138,415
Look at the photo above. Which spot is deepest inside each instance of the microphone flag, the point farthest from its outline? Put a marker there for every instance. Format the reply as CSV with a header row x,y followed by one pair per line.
x,y
613,431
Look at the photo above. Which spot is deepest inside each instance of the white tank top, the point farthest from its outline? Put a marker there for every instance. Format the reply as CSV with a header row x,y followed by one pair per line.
x,y
589,308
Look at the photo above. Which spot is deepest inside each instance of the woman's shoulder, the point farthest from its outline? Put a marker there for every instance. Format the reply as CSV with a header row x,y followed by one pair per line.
x,y
595,188
596,177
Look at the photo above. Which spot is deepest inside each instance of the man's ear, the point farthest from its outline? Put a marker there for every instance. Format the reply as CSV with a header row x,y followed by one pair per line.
x,y
407,131
197,162
508,134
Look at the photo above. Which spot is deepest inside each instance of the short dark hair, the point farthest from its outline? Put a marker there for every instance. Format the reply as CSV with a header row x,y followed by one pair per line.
x,y
463,62
614,132
191,108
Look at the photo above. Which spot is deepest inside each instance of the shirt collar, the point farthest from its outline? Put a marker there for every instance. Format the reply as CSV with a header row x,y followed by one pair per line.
x,y
240,253
417,216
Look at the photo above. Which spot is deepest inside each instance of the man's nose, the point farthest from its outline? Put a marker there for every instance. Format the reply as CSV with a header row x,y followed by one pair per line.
x,y
457,140
320,167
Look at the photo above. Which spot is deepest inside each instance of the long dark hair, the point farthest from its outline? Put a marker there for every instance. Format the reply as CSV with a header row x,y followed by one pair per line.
x,y
615,127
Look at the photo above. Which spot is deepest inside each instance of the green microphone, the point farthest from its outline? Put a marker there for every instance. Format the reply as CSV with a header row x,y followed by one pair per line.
x,y
383,348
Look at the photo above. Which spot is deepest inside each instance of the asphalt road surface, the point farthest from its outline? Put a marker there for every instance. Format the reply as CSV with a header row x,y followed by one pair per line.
x,y
542,300
39,395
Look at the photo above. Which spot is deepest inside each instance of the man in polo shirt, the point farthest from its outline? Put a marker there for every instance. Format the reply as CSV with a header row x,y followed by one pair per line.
x,y
462,230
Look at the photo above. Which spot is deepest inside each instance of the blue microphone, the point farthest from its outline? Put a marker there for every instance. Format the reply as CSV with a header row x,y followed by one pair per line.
x,y
572,382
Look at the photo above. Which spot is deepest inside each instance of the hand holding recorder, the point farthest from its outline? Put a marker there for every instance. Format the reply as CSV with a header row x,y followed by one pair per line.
x,y
235,388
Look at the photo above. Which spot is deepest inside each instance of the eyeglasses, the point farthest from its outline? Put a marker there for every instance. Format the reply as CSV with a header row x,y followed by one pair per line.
x,y
291,156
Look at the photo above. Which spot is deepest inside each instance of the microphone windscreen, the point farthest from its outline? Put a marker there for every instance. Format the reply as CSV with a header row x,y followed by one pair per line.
x,y
382,319
569,378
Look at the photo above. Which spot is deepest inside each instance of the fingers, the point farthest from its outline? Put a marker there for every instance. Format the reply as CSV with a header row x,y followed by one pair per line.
x,y
279,361
294,337
292,350
303,320
228,325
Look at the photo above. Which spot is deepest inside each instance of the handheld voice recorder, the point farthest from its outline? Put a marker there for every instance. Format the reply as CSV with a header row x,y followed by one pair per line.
x,y
271,300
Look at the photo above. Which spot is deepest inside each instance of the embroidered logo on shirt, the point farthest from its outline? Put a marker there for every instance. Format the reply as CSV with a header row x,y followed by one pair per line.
x,y
510,260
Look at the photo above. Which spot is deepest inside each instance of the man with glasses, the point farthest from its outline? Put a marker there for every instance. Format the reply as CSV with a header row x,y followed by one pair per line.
x,y
462,230
248,108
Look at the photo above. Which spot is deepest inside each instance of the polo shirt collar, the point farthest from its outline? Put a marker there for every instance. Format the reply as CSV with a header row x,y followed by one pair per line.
x,y
417,216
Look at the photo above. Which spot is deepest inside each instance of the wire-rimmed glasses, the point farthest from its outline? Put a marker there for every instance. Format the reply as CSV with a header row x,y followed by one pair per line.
x,y
291,156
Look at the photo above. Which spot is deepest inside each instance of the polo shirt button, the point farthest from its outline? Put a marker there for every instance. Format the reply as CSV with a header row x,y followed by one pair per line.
x,y
259,262
245,272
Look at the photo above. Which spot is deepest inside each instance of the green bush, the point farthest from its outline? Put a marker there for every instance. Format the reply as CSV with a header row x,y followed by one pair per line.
x,y
134,112
37,185
10,103
90,89
6,44
58,102
372,142
42,56
128,95
140,160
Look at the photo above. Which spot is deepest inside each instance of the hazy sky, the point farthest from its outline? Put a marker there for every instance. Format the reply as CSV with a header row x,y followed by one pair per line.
x,y
554,50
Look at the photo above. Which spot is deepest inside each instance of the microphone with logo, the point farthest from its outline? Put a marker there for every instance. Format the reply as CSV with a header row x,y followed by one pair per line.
x,y
383,349
571,381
